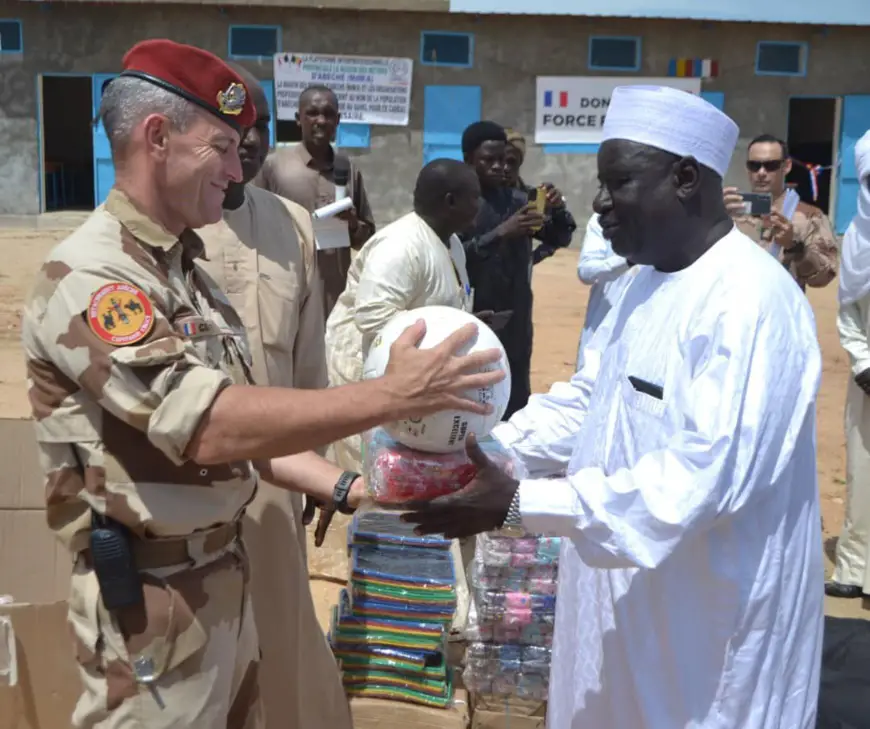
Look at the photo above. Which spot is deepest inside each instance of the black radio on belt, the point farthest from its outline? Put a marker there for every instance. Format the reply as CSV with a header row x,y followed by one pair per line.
x,y
112,558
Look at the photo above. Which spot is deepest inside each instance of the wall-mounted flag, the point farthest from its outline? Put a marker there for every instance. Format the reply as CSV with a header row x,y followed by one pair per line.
x,y
693,68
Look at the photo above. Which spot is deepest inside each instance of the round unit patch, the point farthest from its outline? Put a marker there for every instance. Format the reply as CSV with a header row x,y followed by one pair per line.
x,y
120,314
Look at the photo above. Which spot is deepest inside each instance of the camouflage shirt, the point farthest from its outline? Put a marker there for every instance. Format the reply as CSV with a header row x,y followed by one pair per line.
x,y
127,345
813,260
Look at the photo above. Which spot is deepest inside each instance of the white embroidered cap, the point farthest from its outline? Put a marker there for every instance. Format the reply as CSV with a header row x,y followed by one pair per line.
x,y
672,120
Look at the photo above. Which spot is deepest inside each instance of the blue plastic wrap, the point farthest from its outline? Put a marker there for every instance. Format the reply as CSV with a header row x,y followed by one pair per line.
x,y
387,528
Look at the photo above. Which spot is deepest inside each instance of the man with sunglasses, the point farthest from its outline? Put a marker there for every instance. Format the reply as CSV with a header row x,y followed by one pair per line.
x,y
805,245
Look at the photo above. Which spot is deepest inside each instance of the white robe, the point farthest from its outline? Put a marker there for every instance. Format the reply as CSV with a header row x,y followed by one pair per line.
x,y
404,266
853,546
690,582
853,323
607,274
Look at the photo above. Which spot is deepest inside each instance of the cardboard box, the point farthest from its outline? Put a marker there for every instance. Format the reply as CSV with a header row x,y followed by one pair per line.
x,y
39,683
512,705
382,714
43,575
494,720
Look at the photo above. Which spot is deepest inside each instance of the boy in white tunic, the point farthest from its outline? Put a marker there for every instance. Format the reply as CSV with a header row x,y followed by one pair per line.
x,y
852,574
416,261
690,586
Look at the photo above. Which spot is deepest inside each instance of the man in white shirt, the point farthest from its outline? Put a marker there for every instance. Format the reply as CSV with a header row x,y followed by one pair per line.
x,y
852,573
679,465
607,274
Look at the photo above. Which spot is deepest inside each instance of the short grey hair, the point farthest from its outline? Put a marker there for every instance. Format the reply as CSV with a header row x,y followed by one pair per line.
x,y
127,100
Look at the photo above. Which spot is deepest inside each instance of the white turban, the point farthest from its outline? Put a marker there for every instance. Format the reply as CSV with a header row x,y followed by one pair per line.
x,y
675,121
855,254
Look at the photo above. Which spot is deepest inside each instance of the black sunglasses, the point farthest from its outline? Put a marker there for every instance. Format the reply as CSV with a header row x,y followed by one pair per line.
x,y
771,165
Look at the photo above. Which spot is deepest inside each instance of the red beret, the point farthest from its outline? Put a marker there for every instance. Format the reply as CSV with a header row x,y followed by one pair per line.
x,y
194,74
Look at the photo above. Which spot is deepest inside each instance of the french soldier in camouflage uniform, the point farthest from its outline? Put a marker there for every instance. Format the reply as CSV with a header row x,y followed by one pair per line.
x,y
148,425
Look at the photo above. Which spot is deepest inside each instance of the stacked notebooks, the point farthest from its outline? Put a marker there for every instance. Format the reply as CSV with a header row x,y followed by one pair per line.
x,y
390,626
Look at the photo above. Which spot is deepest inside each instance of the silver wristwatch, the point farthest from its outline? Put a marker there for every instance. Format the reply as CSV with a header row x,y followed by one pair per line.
x,y
512,526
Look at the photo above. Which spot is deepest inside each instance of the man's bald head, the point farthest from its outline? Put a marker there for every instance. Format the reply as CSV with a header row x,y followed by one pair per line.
x,y
447,195
309,92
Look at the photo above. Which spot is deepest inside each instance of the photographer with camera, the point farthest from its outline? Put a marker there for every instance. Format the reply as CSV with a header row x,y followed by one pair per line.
x,y
804,241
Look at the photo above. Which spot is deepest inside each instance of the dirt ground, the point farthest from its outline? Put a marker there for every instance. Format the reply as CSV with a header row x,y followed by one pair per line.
x,y
560,302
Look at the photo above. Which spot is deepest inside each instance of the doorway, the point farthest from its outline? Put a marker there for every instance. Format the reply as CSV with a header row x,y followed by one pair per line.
x,y
67,142
812,124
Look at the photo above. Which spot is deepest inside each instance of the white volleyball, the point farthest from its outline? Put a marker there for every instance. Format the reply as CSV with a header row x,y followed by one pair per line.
x,y
444,431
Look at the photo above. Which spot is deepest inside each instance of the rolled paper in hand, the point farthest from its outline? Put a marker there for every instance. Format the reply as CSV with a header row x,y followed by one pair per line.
x,y
334,208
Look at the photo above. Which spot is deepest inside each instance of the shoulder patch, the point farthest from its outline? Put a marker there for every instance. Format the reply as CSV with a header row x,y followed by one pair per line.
x,y
120,314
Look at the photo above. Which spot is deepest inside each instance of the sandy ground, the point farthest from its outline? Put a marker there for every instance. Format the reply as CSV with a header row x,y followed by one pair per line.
x,y
560,301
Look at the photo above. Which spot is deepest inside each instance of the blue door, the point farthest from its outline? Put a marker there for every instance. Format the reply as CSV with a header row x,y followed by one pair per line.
x,y
716,98
855,121
447,111
104,170
269,87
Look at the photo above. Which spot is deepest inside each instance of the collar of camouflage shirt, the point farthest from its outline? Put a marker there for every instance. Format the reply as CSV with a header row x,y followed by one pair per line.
x,y
146,230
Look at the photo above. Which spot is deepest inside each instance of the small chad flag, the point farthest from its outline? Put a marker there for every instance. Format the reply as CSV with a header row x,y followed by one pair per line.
x,y
693,68
548,99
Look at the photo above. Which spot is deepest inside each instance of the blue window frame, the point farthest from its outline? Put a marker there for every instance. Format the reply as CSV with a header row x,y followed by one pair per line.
x,y
11,36
254,41
442,48
614,53
781,58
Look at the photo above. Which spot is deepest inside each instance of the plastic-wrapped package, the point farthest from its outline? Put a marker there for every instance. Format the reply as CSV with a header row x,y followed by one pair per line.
x,y
386,528
389,629
507,670
348,629
382,658
379,685
512,616
397,475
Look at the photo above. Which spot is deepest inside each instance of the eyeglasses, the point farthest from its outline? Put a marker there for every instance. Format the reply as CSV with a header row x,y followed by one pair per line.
x,y
770,165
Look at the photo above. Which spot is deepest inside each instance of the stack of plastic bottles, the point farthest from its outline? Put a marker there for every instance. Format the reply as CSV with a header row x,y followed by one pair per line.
x,y
512,615
389,629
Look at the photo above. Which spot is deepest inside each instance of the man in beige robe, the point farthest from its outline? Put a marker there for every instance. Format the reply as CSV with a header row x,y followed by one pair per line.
x,y
306,174
262,255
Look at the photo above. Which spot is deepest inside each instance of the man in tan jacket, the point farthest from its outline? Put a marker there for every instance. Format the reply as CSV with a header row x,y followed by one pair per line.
x,y
262,255
806,244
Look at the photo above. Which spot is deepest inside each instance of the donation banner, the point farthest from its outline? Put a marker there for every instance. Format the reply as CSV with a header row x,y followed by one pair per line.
x,y
571,109
370,89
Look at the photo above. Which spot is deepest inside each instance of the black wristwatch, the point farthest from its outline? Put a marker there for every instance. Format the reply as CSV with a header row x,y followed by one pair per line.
x,y
341,490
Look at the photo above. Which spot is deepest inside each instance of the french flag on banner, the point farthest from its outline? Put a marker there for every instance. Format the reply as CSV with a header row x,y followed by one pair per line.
x,y
548,99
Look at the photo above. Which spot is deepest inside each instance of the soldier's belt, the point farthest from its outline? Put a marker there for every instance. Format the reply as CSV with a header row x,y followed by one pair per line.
x,y
154,554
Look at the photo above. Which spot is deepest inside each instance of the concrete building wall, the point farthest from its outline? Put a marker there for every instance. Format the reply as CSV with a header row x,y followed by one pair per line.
x,y
509,52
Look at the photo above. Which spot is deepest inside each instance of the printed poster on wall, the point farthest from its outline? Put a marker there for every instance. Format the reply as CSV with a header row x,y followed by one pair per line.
x,y
571,109
370,89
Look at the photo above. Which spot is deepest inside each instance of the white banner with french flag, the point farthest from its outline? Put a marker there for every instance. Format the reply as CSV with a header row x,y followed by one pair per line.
x,y
571,109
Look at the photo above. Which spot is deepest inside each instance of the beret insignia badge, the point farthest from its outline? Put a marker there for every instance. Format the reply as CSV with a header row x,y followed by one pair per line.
x,y
232,100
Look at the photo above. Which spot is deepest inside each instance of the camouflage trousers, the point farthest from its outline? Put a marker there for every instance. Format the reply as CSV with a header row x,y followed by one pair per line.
x,y
189,659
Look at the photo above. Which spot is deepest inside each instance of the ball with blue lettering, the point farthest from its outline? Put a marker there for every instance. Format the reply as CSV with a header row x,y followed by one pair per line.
x,y
444,431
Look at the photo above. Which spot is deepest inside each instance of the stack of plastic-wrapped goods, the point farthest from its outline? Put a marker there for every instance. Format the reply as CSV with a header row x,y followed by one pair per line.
x,y
512,616
389,630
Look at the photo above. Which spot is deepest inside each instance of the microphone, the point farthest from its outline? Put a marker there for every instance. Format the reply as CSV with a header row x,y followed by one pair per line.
x,y
341,175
